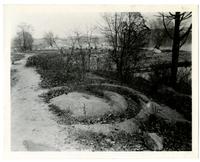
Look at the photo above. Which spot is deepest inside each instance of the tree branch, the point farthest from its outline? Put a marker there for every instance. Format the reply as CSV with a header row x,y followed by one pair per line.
x,y
187,16
183,42
163,18
173,15
186,33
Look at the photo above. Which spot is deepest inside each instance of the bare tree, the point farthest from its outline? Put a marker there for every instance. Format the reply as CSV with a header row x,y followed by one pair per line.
x,y
179,37
126,33
82,54
24,39
72,44
89,41
95,41
71,55
50,38
158,32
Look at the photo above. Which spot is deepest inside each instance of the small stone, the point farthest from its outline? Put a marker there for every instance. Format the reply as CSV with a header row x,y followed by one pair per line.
x,y
153,141
108,140
155,50
112,142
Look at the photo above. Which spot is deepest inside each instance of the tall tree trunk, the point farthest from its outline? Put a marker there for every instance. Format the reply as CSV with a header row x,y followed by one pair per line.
x,y
175,50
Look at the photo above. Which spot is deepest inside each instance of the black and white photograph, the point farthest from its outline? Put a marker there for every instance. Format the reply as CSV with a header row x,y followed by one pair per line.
x,y
100,80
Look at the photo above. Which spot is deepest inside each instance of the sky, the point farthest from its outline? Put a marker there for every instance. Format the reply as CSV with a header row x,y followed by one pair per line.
x,y
60,24
63,22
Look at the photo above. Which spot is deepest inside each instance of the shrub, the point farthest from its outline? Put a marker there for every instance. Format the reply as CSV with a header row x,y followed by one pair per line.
x,y
176,136
184,82
55,69
175,98
160,75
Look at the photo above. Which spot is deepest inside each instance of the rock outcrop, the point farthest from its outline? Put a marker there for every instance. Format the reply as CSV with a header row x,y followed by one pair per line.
x,y
86,105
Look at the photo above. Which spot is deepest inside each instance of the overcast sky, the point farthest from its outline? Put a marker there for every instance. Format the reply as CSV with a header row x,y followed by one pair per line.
x,y
61,22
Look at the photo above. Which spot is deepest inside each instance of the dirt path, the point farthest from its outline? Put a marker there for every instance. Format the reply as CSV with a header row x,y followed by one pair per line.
x,y
32,125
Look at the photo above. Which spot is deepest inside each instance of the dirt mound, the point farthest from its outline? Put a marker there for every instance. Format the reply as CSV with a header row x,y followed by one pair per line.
x,y
85,105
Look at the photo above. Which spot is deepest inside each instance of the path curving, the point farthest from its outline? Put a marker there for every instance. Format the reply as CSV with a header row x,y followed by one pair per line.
x,y
33,127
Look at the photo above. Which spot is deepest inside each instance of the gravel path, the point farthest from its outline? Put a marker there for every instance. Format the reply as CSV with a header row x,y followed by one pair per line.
x,y
33,127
